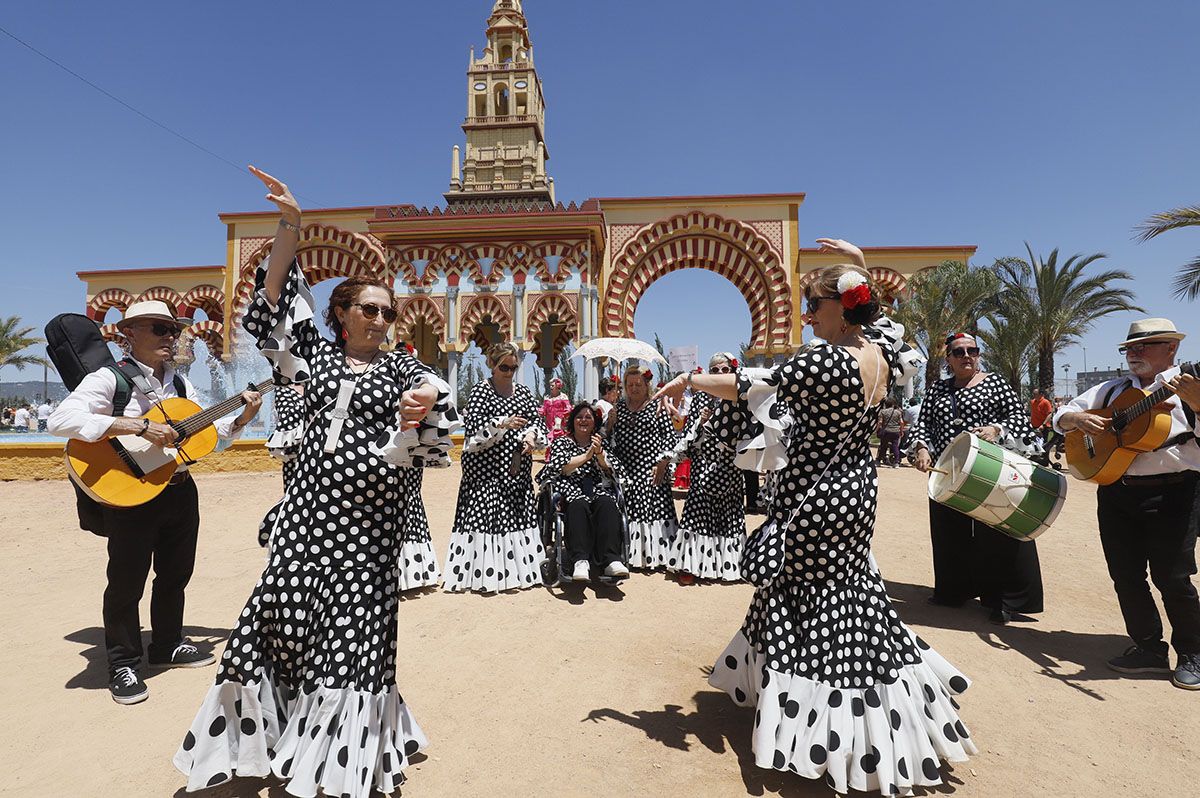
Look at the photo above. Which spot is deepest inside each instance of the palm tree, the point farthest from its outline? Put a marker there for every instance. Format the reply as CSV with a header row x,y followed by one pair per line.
x,y
1187,281
949,298
14,339
1057,304
1008,348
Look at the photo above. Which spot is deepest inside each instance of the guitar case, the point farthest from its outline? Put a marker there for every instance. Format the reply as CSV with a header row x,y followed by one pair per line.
x,y
76,347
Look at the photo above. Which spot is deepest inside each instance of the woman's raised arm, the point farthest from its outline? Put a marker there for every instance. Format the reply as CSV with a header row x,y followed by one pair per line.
x,y
283,251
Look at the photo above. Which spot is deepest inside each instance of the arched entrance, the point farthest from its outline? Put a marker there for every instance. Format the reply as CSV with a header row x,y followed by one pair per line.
x,y
730,248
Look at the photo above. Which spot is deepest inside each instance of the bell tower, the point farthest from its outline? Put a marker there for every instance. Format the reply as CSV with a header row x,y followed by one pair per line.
x,y
506,119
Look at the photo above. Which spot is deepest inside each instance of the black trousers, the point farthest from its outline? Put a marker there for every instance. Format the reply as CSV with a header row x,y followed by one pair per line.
x,y
752,488
163,532
1153,526
970,559
593,531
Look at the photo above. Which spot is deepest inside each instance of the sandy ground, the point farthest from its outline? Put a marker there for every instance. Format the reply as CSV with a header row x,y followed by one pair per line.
x,y
538,693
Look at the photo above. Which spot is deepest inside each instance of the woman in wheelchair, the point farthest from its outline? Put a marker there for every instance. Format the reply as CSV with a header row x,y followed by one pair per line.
x,y
584,473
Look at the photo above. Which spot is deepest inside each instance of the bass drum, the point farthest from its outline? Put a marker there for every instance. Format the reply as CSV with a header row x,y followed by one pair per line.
x,y
997,487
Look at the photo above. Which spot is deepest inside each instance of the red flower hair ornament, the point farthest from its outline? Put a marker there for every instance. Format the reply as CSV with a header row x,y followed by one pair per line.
x,y
853,289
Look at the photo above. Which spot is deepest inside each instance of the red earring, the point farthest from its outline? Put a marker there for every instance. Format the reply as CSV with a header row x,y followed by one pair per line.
x,y
345,335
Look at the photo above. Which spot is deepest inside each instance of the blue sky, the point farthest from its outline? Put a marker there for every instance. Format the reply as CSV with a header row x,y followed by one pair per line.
x,y
1062,124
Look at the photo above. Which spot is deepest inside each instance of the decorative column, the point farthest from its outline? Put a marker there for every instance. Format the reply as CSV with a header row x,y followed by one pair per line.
x,y
595,314
452,359
585,313
518,293
451,314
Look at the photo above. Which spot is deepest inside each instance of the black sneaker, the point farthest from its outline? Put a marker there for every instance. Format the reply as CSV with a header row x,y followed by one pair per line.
x,y
1138,660
185,655
1187,675
126,686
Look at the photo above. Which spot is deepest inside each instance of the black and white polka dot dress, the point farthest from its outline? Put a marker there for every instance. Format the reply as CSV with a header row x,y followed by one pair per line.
x,y
284,445
418,561
713,527
495,544
306,688
844,690
640,440
587,482
947,411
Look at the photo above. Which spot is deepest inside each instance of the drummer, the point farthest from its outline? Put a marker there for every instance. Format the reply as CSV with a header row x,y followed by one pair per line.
x,y
971,559
1148,517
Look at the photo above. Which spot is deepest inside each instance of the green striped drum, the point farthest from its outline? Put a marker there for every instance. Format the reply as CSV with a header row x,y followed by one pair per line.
x,y
997,487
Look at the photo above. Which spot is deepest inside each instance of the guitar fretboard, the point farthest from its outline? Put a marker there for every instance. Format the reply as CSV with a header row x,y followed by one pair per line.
x,y
1144,405
194,423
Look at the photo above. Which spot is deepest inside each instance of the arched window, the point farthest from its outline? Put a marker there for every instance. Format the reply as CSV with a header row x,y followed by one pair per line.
x,y
502,100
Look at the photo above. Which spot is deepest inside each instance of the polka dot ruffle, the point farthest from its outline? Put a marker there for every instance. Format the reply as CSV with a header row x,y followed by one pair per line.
x,y
486,563
650,543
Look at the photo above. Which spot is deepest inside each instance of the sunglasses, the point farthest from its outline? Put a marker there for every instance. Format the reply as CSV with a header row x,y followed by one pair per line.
x,y
1137,349
970,351
720,370
506,369
812,303
370,310
162,330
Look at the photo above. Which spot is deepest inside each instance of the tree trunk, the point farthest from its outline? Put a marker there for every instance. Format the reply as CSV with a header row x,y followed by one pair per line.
x,y
1046,370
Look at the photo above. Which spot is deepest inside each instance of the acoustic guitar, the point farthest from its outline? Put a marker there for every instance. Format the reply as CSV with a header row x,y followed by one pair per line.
x,y
127,470
1138,425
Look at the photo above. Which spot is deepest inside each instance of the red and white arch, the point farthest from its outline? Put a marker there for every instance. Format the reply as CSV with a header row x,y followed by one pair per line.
x,y
542,308
484,308
706,241
208,298
102,302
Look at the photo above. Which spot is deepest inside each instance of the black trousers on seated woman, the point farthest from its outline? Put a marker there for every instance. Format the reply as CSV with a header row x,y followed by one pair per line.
x,y
594,531
971,559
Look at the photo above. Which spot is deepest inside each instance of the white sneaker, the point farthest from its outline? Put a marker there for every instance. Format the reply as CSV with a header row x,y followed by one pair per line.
x,y
582,572
616,568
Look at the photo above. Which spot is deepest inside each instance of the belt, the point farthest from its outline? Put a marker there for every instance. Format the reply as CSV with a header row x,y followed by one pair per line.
x,y
179,477
1158,480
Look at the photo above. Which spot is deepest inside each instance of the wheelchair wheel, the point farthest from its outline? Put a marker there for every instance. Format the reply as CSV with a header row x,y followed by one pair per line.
x,y
549,572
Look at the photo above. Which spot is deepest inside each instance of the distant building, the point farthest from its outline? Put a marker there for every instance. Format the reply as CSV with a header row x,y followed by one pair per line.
x,y
1088,379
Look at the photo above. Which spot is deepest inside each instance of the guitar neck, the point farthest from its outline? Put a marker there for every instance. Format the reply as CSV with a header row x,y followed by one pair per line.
x,y
1161,395
198,421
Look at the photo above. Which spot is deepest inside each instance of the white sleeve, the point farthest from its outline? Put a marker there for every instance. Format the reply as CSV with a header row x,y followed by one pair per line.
x,y
86,414
1088,400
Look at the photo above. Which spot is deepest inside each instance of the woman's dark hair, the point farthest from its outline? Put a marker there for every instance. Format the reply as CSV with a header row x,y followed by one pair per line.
x,y
827,279
579,408
344,295
610,383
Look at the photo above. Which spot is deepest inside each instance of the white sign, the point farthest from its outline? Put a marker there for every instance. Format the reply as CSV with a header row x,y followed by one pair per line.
x,y
683,358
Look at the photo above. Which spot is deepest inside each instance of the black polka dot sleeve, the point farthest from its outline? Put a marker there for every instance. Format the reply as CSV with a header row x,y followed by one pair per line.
x,y
427,446
285,332
486,414
947,412
586,482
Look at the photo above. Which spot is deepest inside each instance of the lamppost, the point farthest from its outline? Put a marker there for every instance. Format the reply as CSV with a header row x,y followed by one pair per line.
x,y
1066,379
1084,348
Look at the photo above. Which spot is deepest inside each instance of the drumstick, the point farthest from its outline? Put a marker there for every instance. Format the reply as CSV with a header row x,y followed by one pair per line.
x,y
939,471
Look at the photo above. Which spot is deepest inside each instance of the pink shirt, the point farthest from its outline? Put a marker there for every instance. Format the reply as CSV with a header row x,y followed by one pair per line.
x,y
555,411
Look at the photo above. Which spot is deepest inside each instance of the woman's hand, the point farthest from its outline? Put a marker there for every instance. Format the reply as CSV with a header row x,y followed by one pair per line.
x,y
923,461
527,443
673,390
844,248
988,432
416,404
659,473
515,422
280,195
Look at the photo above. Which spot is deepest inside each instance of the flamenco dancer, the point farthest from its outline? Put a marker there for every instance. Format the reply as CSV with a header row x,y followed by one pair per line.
x,y
641,436
842,688
495,544
554,411
306,690
713,526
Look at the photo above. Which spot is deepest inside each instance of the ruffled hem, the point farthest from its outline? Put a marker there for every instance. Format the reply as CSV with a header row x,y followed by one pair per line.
x,y
489,563
339,740
650,543
284,444
418,565
887,737
707,556
427,446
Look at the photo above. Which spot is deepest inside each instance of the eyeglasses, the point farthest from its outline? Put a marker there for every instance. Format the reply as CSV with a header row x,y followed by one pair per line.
x,y
162,330
970,351
506,369
1138,348
812,303
720,370
370,310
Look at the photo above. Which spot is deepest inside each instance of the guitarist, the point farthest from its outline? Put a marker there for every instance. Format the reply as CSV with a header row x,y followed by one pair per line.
x,y
164,529
1148,517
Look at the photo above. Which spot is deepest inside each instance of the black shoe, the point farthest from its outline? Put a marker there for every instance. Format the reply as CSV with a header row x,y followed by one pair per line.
x,y
126,686
1138,660
185,655
999,616
1187,675
938,601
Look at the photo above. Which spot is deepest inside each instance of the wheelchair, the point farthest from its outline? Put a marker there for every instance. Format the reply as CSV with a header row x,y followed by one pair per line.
x,y
552,523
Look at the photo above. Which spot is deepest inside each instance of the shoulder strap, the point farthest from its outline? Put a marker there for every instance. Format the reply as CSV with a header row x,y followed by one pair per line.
x,y
123,392
180,385
1113,390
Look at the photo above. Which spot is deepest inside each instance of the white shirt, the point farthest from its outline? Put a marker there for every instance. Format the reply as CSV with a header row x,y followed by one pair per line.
x,y
21,417
911,413
44,411
86,414
605,409
1172,459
